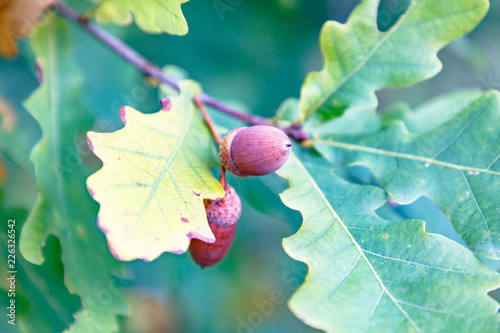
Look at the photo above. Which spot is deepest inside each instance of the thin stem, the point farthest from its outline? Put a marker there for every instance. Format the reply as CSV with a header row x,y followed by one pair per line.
x,y
208,120
148,68
118,46
222,179
215,134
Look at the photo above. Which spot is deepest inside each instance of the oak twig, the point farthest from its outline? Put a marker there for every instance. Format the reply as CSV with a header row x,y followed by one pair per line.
x,y
148,68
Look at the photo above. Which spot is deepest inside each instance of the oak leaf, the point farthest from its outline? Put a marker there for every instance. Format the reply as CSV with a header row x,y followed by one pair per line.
x,y
17,19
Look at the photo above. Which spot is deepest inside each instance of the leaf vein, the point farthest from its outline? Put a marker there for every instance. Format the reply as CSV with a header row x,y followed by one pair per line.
x,y
419,264
361,251
165,169
330,293
434,310
135,153
368,56
374,309
382,152
479,209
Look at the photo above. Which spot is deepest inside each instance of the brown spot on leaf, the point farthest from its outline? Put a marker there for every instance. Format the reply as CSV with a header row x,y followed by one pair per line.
x,y
8,118
385,236
81,231
3,172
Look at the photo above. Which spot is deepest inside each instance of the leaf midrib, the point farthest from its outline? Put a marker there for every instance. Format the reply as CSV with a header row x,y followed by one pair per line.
x,y
165,168
55,139
55,124
350,146
353,240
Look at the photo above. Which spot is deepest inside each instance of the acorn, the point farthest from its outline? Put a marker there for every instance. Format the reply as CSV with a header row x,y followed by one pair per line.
x,y
222,216
254,151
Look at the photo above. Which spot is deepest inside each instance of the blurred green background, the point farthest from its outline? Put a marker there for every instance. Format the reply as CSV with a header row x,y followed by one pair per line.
x,y
253,56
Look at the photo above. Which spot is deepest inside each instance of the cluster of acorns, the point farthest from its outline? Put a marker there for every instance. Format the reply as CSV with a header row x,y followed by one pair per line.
x,y
245,151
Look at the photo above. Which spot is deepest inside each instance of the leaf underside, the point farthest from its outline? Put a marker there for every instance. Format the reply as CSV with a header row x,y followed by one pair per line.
x,y
64,208
456,165
367,274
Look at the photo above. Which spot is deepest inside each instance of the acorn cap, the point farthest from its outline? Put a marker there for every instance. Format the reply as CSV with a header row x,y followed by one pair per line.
x,y
225,152
254,151
226,211
222,216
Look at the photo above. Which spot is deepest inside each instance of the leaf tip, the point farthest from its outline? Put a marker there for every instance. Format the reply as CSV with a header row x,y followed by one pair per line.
x,y
114,252
101,227
196,235
90,190
166,104
89,142
179,251
123,113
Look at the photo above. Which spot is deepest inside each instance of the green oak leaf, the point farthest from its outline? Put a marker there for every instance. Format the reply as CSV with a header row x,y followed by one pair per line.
x,y
359,59
456,165
41,307
367,274
155,176
433,113
287,112
153,16
64,208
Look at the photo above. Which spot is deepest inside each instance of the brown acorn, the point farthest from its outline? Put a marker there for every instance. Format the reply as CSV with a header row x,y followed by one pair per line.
x,y
254,151
222,216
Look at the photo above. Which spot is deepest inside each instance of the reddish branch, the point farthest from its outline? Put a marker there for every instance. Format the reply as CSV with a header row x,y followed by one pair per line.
x,y
208,120
148,68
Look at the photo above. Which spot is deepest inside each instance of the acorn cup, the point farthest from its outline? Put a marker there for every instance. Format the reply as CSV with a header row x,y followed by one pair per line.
x,y
254,151
245,151
222,216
